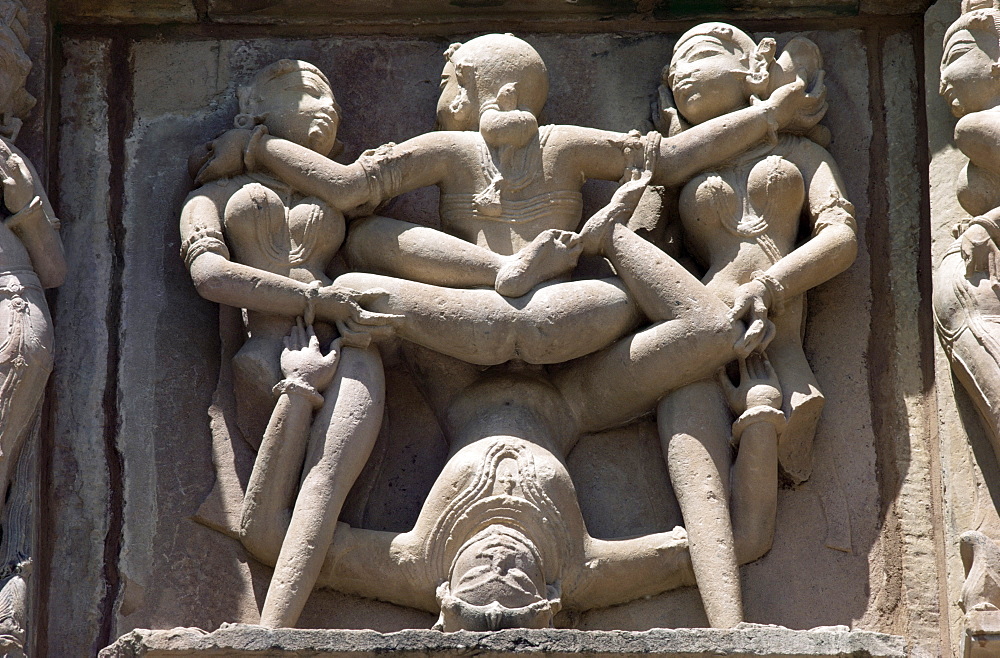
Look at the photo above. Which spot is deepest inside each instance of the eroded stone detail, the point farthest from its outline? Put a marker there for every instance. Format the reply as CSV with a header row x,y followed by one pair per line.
x,y
515,356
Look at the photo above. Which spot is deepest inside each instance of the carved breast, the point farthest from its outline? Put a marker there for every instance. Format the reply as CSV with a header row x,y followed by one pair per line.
x,y
278,232
746,198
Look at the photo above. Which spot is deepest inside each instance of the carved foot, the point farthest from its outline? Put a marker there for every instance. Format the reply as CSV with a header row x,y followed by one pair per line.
x,y
552,253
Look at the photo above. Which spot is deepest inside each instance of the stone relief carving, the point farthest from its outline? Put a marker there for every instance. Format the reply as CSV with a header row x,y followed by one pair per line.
x,y
966,299
516,356
31,259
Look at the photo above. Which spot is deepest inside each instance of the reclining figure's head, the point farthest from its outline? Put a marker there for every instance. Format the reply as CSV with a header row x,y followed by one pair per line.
x,y
497,582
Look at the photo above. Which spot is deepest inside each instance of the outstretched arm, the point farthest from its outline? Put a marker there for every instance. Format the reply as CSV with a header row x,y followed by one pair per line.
x,y
626,569
270,495
600,154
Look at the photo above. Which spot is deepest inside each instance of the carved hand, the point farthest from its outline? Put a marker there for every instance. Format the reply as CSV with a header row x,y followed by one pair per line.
x,y
303,361
346,308
18,184
619,209
753,299
980,252
796,108
220,158
758,385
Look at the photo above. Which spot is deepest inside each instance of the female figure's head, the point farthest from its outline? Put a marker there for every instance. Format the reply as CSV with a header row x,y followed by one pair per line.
x,y
715,69
970,64
497,582
294,100
494,72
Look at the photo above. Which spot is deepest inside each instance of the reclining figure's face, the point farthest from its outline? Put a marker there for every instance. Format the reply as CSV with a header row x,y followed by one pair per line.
x,y
497,583
970,73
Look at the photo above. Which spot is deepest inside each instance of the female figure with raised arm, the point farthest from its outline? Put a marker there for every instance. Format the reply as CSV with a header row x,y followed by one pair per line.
x,y
31,256
254,243
967,281
742,224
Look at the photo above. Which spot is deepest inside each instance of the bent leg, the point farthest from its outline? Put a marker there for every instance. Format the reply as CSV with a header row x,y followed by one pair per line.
x,y
695,427
396,248
556,322
341,441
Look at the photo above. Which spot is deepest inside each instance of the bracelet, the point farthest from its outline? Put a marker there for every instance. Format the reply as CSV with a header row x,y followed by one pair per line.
x,y
249,161
299,387
312,293
774,288
760,413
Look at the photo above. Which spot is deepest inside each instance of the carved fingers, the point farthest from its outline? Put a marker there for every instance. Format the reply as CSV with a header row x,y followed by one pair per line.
x,y
751,305
980,253
797,107
18,183
303,360
220,158
758,385
349,309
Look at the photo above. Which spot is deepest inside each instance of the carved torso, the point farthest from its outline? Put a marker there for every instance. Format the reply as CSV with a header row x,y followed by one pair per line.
x,y
271,227
744,218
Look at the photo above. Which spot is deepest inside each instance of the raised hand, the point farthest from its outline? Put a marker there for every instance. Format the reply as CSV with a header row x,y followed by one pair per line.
x,y
220,158
303,361
758,385
18,183
798,109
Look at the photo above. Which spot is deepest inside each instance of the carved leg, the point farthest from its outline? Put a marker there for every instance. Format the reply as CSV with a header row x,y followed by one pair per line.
x,y
754,499
695,428
418,253
555,323
341,441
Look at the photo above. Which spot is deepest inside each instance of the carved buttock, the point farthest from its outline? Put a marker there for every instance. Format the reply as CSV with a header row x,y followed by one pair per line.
x,y
267,232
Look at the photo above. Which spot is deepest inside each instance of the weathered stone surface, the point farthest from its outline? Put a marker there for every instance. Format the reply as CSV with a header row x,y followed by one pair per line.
x,y
79,505
749,640
316,12
163,562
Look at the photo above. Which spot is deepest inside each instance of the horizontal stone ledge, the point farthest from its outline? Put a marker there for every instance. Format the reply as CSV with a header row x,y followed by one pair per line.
x,y
747,640
320,12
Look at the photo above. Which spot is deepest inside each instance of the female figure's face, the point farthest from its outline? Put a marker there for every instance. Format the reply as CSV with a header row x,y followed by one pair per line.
x,y
299,106
707,80
970,81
